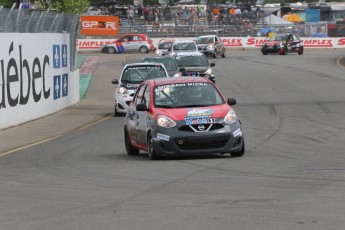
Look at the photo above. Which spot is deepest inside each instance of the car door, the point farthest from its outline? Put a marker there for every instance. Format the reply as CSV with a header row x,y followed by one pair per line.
x,y
127,42
132,114
296,43
143,118
138,41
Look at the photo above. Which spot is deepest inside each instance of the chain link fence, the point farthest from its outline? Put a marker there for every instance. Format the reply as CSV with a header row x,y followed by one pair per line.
x,y
25,21
258,30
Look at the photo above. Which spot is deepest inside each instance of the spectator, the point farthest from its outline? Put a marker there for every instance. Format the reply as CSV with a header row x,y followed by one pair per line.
x,y
146,13
140,11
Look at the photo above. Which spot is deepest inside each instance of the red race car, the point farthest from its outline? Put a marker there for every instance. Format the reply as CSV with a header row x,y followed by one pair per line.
x,y
129,42
182,116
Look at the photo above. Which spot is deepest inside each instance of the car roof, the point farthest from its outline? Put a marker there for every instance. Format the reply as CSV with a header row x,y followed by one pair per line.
x,y
184,41
207,36
142,64
178,80
158,57
188,53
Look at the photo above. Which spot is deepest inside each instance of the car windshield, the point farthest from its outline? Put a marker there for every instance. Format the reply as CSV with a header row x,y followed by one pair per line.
x,y
191,60
184,95
278,38
204,40
165,45
169,63
138,74
184,46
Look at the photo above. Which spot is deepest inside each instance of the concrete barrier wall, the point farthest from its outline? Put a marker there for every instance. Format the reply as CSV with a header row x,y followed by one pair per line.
x,y
239,42
35,76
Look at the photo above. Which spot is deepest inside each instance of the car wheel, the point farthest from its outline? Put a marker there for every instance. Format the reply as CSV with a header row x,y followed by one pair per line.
x,y
300,51
214,55
150,148
111,50
143,49
264,52
130,149
239,153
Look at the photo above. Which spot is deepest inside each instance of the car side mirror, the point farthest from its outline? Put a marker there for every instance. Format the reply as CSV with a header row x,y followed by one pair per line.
x,y
142,107
231,101
182,69
212,64
114,81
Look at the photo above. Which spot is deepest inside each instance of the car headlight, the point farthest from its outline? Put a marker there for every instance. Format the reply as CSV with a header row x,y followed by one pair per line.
x,y
208,71
166,122
158,52
122,90
210,47
230,117
179,74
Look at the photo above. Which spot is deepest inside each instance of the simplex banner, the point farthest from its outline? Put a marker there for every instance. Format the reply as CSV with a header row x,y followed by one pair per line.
x,y
239,42
35,77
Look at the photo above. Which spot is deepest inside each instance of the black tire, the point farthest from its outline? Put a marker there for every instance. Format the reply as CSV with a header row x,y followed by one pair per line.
x,y
150,148
239,153
130,149
214,55
143,49
111,50
264,52
300,51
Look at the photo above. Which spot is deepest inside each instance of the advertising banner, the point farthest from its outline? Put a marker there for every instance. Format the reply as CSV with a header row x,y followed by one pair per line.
x,y
232,42
99,25
35,77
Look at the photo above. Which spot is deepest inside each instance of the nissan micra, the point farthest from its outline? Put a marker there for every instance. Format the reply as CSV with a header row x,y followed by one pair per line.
x,y
182,116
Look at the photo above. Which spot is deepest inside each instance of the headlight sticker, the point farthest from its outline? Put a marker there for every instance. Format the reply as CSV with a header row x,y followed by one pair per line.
x,y
163,137
237,132
199,116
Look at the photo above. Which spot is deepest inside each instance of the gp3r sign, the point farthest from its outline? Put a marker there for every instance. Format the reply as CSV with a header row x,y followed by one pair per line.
x,y
99,25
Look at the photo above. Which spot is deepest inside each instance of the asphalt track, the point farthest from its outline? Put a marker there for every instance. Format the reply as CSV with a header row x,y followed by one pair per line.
x,y
292,176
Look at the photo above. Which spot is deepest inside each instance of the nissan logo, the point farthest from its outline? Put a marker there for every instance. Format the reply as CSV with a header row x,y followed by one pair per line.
x,y
201,127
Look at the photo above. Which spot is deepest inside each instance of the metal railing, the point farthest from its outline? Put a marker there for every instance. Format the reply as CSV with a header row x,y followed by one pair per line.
x,y
170,30
25,21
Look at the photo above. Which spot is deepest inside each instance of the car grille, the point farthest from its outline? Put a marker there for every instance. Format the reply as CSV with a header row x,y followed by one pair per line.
x,y
196,128
196,143
193,73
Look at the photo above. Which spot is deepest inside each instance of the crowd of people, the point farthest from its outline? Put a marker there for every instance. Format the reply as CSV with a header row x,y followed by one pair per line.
x,y
193,15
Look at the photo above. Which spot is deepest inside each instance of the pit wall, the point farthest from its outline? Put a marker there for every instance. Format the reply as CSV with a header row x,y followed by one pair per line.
x,y
35,76
235,42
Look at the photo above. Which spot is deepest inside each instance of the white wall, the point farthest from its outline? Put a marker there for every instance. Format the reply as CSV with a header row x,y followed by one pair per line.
x,y
35,77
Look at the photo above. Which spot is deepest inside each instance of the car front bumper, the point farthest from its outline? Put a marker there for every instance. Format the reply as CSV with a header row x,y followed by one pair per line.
x,y
174,142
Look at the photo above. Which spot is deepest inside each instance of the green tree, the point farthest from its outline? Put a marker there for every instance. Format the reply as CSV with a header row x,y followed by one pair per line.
x,y
70,6
6,3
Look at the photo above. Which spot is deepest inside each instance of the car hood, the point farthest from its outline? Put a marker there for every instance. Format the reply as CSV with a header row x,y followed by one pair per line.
x,y
178,114
130,86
